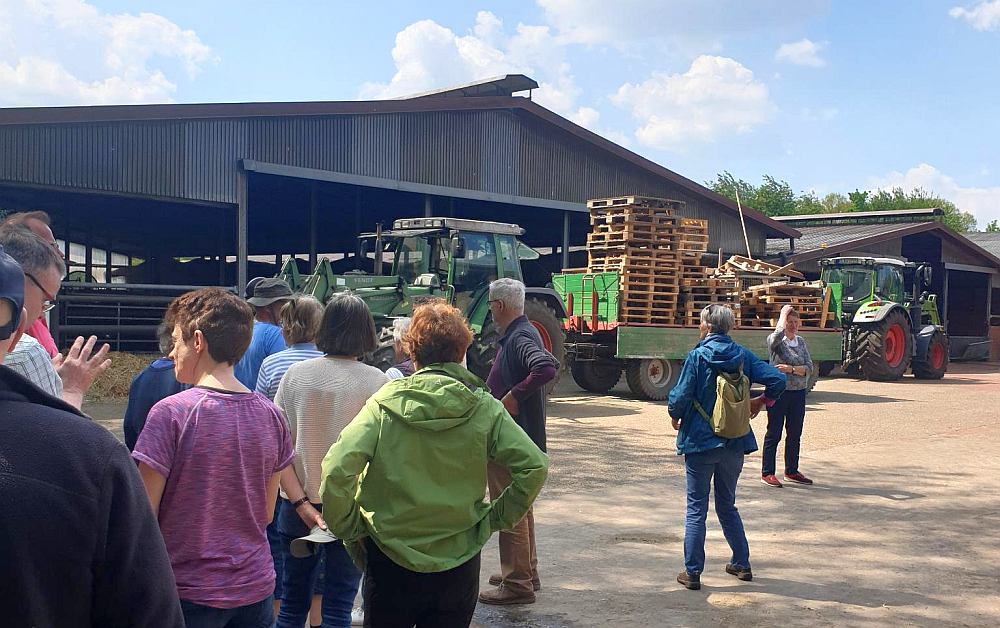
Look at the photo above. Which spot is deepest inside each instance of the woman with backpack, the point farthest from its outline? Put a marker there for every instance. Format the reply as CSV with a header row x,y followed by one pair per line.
x,y
789,355
709,439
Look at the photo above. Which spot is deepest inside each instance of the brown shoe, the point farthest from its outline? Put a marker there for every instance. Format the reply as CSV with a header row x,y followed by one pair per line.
x,y
503,596
496,580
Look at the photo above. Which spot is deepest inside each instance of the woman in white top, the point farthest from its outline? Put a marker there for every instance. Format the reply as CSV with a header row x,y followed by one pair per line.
x,y
319,397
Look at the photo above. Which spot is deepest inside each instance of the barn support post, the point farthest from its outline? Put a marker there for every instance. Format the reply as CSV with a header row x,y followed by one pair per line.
x,y
242,227
565,241
428,206
313,196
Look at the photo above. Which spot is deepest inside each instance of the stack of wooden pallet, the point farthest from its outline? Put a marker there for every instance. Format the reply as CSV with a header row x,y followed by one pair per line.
x,y
637,237
705,287
762,304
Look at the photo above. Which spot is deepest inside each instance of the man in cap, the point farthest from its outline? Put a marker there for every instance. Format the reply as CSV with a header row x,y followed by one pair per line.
x,y
80,545
268,297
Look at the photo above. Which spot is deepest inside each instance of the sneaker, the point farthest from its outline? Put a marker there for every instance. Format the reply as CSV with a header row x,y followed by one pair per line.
x,y
798,478
496,580
771,481
503,596
742,573
689,580
357,617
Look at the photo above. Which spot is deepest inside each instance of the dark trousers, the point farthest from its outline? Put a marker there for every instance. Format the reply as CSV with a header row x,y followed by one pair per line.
x,y
395,597
258,615
787,413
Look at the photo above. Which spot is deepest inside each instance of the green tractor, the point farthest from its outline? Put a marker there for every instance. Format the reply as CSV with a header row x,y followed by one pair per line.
x,y
449,258
887,329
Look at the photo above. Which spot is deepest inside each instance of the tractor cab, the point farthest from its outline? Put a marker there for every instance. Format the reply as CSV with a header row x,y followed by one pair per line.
x,y
864,280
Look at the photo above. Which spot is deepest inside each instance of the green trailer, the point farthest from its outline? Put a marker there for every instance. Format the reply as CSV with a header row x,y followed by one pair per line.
x,y
599,348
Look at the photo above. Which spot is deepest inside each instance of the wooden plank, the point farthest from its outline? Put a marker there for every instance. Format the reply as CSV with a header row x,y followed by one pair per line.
x,y
788,271
634,201
826,307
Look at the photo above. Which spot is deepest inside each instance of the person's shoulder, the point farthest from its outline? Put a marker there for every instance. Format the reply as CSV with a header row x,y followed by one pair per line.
x,y
60,430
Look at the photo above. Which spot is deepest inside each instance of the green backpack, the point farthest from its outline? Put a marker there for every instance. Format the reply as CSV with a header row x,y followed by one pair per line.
x,y
731,415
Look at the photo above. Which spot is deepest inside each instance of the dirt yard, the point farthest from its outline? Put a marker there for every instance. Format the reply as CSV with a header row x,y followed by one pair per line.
x,y
902,526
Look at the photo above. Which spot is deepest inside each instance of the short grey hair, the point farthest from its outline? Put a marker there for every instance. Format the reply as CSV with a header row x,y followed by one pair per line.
x,y
719,318
399,327
509,291
34,254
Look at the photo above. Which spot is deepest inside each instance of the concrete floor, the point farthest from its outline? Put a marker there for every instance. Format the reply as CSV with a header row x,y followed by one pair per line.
x,y
901,527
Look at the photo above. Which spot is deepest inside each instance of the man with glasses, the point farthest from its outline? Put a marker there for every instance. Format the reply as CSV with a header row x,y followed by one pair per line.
x,y
69,377
39,223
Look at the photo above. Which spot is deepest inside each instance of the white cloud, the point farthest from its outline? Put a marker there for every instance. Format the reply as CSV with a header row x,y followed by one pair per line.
x,y
67,52
803,52
717,96
430,56
984,16
982,202
691,24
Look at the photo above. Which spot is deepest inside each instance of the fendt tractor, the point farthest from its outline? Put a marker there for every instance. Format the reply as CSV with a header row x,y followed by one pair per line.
x,y
450,258
887,329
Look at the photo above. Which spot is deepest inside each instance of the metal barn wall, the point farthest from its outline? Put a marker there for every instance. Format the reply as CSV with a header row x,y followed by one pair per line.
x,y
494,150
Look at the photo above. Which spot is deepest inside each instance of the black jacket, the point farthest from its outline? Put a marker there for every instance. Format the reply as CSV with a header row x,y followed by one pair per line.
x,y
521,352
79,544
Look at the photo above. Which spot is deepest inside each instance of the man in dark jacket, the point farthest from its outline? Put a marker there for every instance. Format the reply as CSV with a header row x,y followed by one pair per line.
x,y
79,542
707,455
520,372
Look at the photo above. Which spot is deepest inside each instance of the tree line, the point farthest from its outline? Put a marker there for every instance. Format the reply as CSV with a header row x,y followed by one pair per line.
x,y
776,198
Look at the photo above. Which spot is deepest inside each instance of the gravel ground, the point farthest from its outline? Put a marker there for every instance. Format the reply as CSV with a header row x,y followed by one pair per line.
x,y
902,526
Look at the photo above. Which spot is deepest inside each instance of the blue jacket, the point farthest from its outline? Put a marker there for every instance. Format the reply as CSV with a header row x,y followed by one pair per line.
x,y
717,352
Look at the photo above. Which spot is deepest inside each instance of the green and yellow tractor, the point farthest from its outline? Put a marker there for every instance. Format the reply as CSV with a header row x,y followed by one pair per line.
x,y
887,328
449,258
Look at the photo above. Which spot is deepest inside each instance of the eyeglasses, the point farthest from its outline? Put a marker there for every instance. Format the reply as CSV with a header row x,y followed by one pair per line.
x,y
50,299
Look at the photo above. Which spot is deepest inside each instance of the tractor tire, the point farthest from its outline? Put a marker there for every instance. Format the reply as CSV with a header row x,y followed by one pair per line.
x,y
935,363
825,368
596,376
483,351
885,348
652,379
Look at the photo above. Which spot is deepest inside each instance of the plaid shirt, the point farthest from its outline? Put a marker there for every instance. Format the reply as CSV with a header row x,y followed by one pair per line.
x,y
30,360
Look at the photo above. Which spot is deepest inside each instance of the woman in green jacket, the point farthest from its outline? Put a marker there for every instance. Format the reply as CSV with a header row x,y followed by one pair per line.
x,y
404,486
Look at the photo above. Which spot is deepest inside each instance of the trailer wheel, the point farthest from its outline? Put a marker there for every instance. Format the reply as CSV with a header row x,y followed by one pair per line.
x,y
652,379
825,368
935,363
596,376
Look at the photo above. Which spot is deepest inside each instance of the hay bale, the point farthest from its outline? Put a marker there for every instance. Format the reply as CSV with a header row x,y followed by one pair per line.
x,y
114,382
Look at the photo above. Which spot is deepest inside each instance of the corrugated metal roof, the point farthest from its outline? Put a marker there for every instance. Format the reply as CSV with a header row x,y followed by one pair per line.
x,y
199,145
828,236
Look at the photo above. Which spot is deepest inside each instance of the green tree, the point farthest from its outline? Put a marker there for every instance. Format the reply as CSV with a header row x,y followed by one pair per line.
x,y
993,227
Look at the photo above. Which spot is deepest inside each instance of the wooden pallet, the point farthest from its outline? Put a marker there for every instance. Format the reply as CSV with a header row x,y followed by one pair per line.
x,y
634,201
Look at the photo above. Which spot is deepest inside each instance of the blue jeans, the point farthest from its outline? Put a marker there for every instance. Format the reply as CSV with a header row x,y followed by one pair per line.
x,y
724,464
341,577
258,615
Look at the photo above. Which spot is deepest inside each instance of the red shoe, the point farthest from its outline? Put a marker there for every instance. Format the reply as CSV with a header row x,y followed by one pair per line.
x,y
771,481
798,478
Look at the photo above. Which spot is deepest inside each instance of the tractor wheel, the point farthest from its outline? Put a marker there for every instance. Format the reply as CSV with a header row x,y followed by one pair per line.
x,y
885,348
652,379
596,376
825,368
935,363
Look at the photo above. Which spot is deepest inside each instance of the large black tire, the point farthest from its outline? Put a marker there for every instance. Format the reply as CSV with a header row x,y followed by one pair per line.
x,y
652,379
825,368
596,376
885,348
935,364
484,347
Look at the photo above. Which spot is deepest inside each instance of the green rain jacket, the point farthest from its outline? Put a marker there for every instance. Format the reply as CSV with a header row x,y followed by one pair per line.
x,y
410,471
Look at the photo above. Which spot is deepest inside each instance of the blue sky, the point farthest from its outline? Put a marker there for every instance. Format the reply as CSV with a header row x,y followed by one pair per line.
x,y
830,96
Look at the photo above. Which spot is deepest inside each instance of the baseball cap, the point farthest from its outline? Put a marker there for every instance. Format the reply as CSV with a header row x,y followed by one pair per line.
x,y
269,290
306,546
11,289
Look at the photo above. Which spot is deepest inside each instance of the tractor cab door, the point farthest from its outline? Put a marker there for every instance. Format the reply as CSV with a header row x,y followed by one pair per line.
x,y
472,273
889,284
510,262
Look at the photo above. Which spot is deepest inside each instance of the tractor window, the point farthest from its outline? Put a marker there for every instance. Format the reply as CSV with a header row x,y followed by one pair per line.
x,y
857,283
509,263
411,258
479,266
890,284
